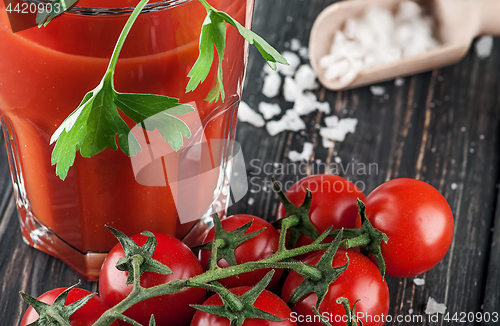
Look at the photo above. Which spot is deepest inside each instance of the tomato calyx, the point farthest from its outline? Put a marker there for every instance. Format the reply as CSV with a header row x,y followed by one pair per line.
x,y
239,308
58,313
142,255
367,238
300,223
225,242
351,317
329,274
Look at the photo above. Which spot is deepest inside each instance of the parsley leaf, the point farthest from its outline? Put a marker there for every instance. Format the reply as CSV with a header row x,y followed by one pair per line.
x,y
213,34
93,126
96,122
51,10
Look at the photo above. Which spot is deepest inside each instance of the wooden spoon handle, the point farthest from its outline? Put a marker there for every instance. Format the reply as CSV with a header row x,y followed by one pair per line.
x,y
489,16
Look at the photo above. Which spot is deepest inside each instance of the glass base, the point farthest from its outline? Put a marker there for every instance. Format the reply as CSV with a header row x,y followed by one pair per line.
x,y
88,264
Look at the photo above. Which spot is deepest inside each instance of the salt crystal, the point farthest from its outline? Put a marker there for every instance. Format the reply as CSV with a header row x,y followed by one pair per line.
x,y
272,84
305,77
327,143
295,156
251,201
246,114
337,159
295,45
334,69
398,82
293,61
408,10
339,131
419,281
378,37
304,52
269,110
484,46
306,103
410,311
377,90
290,89
332,121
290,121
433,307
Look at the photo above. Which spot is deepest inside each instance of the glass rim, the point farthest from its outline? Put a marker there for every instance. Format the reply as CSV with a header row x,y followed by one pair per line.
x,y
150,7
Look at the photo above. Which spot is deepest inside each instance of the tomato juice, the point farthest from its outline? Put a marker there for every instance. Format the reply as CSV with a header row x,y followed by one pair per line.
x,y
44,75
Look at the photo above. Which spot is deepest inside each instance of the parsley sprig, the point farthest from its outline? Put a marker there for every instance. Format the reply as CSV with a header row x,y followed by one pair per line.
x,y
213,35
96,123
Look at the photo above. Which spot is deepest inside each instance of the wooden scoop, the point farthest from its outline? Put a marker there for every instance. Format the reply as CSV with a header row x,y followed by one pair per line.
x,y
457,23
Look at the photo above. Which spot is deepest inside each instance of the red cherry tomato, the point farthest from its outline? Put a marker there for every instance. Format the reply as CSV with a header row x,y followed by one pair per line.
x,y
257,248
333,203
361,280
418,221
266,301
170,309
85,316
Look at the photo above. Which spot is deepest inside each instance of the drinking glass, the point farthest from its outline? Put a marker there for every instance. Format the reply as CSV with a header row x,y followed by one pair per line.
x,y
44,75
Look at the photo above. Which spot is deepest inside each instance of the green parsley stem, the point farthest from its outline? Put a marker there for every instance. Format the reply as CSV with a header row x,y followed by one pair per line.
x,y
123,36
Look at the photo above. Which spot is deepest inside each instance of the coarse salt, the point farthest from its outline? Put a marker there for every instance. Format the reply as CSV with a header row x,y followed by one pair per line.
x,y
433,307
377,90
484,46
376,38
307,151
246,114
269,110
419,281
290,121
293,61
398,82
338,130
272,84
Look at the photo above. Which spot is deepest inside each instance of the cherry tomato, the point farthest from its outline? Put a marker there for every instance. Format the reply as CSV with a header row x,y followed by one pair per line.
x,y
333,203
257,248
266,301
361,280
418,221
170,309
85,316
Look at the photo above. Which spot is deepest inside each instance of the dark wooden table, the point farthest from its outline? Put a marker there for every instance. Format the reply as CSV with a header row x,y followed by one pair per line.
x,y
441,127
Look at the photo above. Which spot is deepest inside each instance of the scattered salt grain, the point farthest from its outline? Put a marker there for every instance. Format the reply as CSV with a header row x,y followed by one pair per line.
x,y
306,103
484,46
337,159
272,84
338,131
246,114
293,61
453,186
377,90
410,311
290,121
290,89
305,77
433,307
295,156
398,82
327,143
304,52
419,281
376,38
251,201
269,110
